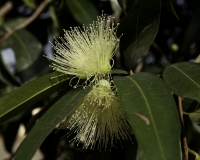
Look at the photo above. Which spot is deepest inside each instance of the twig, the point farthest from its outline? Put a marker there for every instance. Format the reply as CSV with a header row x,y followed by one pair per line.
x,y
184,140
6,8
27,21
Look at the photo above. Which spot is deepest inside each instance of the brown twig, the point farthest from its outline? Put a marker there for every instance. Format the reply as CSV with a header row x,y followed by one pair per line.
x,y
6,8
184,140
27,21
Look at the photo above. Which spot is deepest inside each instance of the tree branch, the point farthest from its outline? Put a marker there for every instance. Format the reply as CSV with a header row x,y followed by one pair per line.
x,y
27,21
184,140
6,8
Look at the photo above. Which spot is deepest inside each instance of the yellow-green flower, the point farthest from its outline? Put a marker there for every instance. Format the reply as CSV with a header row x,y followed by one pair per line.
x,y
86,52
98,118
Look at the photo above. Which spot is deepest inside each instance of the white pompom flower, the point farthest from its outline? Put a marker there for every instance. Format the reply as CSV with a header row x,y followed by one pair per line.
x,y
86,52
99,119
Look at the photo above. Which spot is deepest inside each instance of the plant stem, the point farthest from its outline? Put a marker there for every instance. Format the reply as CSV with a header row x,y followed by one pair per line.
x,y
184,140
193,152
27,21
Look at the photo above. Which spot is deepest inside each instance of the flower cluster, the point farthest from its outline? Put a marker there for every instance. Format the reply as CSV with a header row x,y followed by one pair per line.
x,y
86,53
98,118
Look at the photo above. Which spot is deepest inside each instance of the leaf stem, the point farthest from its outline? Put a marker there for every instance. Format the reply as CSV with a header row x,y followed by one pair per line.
x,y
184,140
193,152
185,113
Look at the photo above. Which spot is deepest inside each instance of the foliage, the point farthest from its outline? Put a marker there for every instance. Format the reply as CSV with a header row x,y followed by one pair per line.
x,y
154,41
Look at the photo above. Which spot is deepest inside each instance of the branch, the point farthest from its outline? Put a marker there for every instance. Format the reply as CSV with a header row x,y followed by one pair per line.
x,y
184,140
27,21
6,8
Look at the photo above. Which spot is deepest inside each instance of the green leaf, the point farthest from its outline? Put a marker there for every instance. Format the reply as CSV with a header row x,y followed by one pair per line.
x,y
140,154
139,28
30,3
26,53
119,71
83,11
130,149
184,79
28,94
170,6
195,116
48,122
152,114
192,32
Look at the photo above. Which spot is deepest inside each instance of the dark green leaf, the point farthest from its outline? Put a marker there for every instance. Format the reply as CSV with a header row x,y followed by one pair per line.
x,y
140,154
130,149
152,114
48,122
28,94
195,116
170,6
139,28
119,71
30,3
26,47
83,11
192,31
184,79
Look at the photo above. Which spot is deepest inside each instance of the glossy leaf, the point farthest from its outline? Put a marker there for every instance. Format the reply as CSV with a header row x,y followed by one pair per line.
x,y
48,122
152,114
28,94
139,28
184,79
83,11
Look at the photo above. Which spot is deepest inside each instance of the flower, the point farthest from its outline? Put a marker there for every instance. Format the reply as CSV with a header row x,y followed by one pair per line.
x,y
98,118
86,52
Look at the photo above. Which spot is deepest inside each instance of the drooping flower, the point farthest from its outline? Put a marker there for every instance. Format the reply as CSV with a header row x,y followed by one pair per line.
x,y
86,52
98,118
